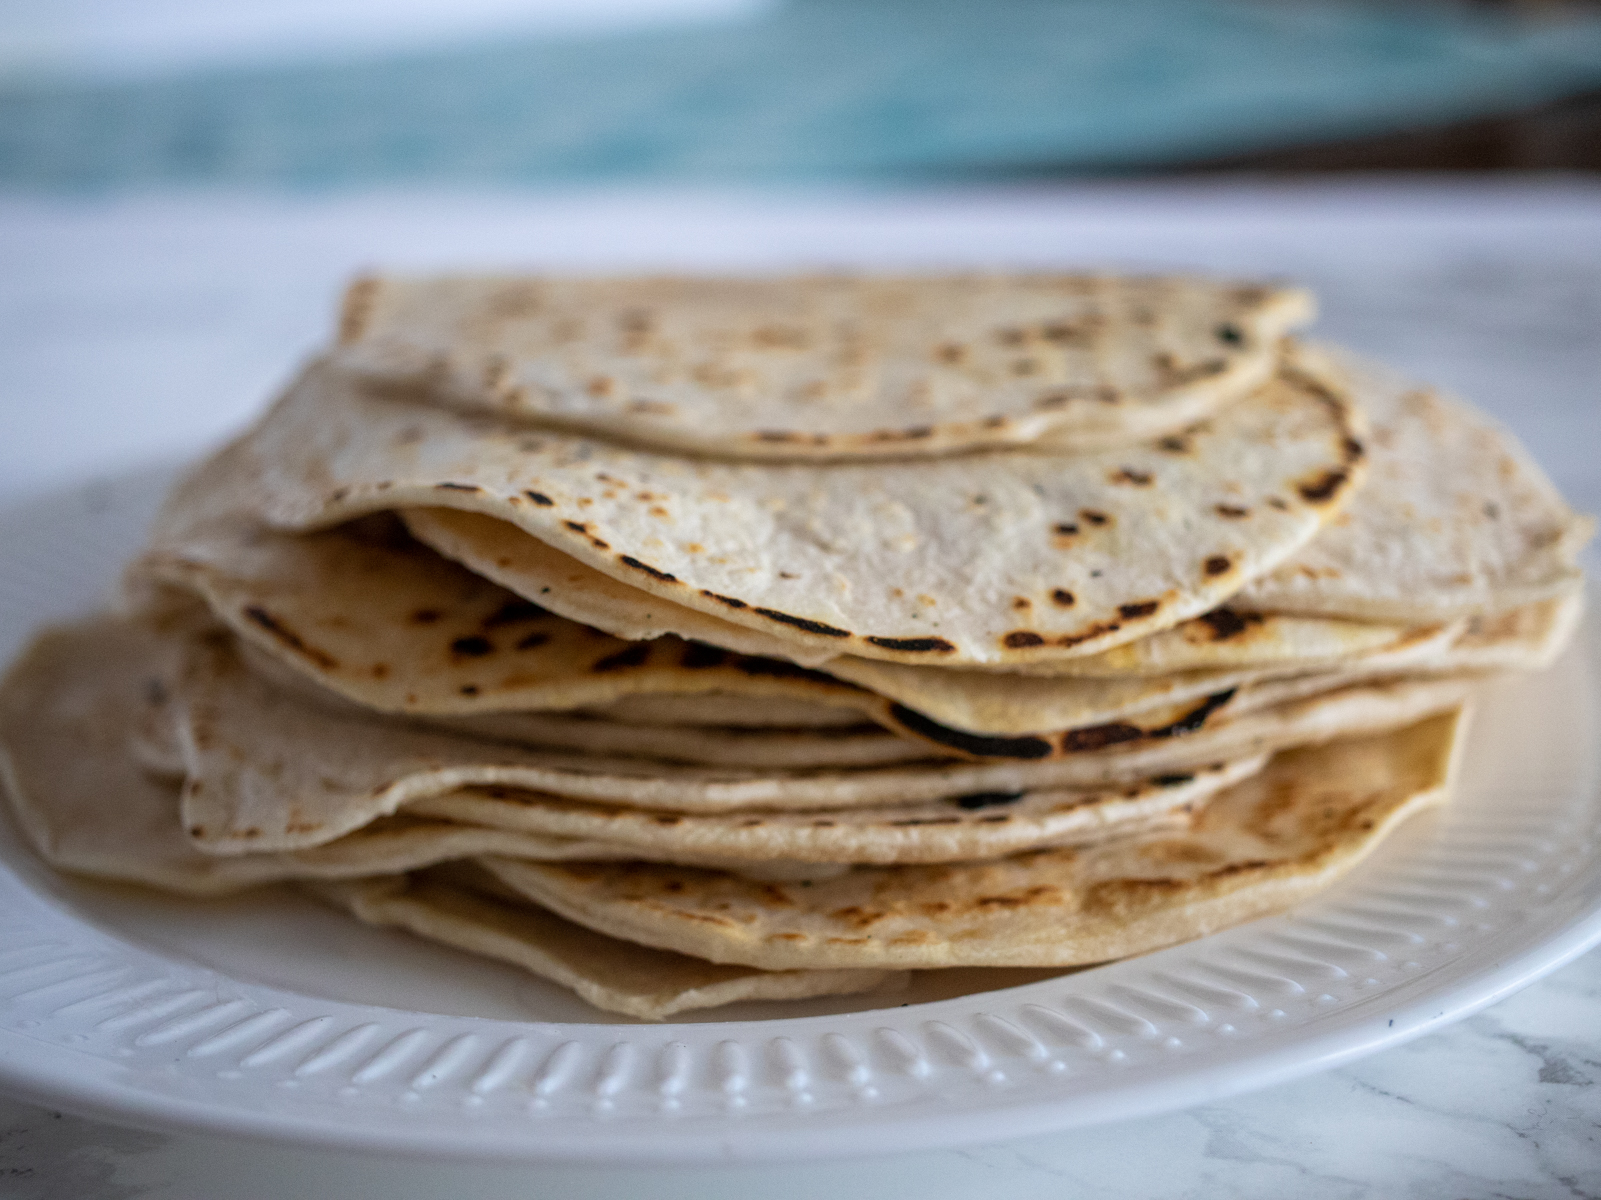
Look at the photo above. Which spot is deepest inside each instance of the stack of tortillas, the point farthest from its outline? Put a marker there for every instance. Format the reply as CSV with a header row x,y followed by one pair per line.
x,y
687,641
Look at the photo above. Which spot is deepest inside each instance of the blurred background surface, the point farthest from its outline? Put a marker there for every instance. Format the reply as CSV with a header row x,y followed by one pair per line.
x,y
109,94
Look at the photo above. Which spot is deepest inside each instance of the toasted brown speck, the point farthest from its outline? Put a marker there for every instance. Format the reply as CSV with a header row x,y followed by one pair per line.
x,y
1324,488
663,576
912,644
804,623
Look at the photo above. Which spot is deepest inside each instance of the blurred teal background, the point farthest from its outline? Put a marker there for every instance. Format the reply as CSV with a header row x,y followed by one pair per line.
x,y
793,92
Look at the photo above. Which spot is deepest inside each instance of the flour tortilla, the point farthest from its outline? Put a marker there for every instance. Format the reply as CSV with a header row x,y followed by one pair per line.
x,y
366,612
995,557
266,771
387,623
765,749
728,710
615,976
825,366
88,809
1224,639
967,827
1522,639
1258,848
754,748
1456,519
67,709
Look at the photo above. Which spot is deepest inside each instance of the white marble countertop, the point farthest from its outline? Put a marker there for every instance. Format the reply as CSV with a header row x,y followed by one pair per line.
x,y
131,328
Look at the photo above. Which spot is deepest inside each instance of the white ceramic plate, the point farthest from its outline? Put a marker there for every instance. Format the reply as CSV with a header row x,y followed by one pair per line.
x,y
268,1016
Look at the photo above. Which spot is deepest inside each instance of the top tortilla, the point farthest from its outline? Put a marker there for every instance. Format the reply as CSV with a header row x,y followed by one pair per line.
x,y
826,366
999,557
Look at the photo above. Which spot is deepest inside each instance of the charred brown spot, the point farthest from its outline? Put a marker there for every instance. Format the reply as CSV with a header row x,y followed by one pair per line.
x,y
1225,623
1142,608
1176,779
1021,602
1020,639
513,611
290,638
1277,502
472,647
978,745
1130,475
1099,629
976,800
1232,511
1230,333
540,499
623,659
1324,488
1354,450
1064,597
458,487
1094,737
581,528
630,561
533,641
426,616
721,599
380,670
1196,717
915,645
1217,564
698,656
1093,516
1066,529
803,623
468,689
1175,445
